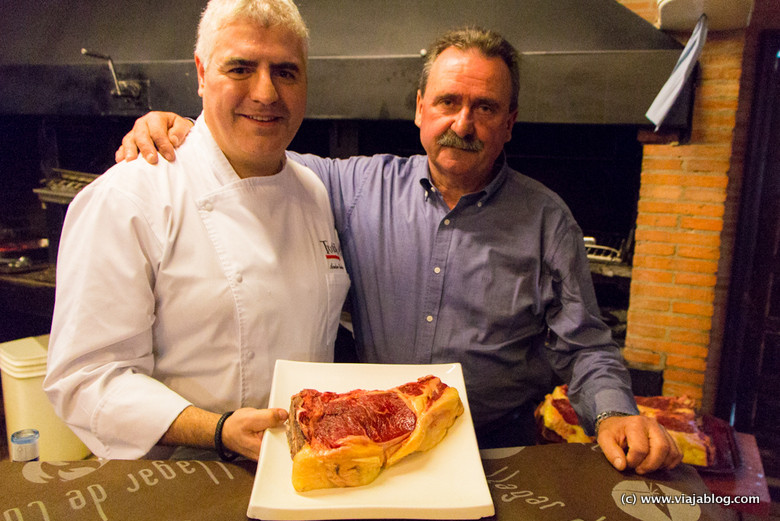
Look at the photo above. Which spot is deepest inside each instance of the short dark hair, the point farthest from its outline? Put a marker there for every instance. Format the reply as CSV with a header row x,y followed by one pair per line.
x,y
488,42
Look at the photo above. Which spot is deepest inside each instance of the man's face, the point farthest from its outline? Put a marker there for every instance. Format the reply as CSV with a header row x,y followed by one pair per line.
x,y
254,94
468,94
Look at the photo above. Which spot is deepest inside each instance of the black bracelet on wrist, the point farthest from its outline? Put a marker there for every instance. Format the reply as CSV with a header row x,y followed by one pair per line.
x,y
224,454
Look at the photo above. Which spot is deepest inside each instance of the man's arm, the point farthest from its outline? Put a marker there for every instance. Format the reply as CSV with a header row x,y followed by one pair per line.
x,y
242,432
153,132
598,380
100,357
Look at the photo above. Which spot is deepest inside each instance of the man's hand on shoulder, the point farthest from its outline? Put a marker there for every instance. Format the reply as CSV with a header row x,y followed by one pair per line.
x,y
154,132
649,447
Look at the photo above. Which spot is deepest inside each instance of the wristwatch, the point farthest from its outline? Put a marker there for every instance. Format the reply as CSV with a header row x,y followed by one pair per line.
x,y
607,414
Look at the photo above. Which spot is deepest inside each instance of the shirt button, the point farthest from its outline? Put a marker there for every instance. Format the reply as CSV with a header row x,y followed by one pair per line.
x,y
446,222
250,355
429,318
208,206
239,277
479,204
437,269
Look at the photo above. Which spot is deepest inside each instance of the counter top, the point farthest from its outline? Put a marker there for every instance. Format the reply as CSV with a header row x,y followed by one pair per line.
x,y
29,292
748,480
556,482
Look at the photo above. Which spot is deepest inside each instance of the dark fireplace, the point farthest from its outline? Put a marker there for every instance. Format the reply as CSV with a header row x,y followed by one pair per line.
x,y
594,168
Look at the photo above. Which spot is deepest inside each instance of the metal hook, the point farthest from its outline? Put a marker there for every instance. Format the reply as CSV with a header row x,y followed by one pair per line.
x,y
132,89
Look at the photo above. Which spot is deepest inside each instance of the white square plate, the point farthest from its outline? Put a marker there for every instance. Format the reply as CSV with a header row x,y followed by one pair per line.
x,y
446,482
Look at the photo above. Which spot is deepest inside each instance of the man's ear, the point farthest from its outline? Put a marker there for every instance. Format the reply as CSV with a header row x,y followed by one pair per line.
x,y
418,109
510,124
201,74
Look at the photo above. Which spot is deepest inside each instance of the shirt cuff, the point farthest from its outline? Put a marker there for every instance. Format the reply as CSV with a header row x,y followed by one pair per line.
x,y
611,400
130,422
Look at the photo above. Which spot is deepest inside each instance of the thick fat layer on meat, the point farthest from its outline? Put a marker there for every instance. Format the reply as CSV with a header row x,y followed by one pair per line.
x,y
436,406
559,418
558,422
680,421
295,437
667,403
339,440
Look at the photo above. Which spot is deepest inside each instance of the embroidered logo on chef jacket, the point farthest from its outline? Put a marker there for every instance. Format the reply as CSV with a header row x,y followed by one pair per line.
x,y
332,255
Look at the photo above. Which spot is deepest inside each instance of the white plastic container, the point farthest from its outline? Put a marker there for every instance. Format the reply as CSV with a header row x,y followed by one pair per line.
x,y
23,366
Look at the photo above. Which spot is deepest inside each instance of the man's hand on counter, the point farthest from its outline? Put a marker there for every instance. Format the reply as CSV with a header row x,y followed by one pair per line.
x,y
637,442
155,131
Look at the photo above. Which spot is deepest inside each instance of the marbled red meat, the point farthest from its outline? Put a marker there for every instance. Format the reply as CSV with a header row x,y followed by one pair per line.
x,y
343,440
676,422
567,411
380,416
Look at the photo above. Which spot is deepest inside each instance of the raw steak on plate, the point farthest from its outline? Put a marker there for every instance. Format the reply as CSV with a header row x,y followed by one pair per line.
x,y
345,440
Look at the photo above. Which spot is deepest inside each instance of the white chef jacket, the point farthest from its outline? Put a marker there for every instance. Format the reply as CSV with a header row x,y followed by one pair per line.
x,y
181,283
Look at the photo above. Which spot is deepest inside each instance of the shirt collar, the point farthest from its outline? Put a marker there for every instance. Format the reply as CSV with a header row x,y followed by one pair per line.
x,y
500,166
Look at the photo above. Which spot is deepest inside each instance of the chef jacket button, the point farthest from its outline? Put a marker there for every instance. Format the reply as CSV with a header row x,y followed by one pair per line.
x,y
429,318
437,269
239,277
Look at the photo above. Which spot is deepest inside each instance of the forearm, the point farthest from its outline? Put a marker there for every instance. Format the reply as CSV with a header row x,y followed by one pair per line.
x,y
194,427
599,383
584,352
242,432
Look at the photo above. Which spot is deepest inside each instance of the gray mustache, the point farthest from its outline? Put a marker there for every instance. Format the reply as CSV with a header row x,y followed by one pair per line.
x,y
451,139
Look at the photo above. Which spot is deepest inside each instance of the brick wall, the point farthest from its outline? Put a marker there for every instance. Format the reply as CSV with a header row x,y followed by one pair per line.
x,y
685,227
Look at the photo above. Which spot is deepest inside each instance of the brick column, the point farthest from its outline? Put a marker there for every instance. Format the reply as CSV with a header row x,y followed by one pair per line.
x,y
680,221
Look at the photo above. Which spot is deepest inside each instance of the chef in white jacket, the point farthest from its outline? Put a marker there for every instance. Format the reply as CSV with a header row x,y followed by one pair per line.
x,y
180,284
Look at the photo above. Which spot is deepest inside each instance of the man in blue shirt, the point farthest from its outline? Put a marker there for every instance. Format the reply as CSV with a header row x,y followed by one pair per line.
x,y
455,257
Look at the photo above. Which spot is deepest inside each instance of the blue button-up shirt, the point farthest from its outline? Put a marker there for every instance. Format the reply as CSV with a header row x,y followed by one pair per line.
x,y
500,283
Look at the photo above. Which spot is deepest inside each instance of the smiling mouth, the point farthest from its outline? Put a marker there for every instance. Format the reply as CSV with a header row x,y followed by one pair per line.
x,y
262,119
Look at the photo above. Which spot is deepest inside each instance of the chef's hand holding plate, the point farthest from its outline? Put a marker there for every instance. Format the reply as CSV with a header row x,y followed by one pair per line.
x,y
155,131
243,430
637,442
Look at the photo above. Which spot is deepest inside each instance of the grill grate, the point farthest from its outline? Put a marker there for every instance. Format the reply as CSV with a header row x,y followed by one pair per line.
x,y
609,249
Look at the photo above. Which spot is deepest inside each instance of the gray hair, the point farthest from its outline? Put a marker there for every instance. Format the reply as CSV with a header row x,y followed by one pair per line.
x,y
488,42
268,13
